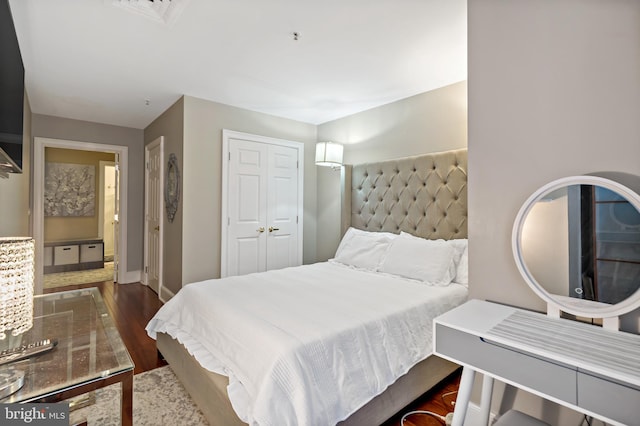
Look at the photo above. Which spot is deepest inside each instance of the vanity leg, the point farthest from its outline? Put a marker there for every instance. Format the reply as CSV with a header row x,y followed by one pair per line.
x,y
464,394
485,402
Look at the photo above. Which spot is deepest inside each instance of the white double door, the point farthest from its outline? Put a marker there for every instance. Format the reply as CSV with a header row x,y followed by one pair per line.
x,y
263,204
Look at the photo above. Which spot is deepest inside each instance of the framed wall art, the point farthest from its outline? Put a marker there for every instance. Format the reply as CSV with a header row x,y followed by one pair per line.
x,y
70,189
172,187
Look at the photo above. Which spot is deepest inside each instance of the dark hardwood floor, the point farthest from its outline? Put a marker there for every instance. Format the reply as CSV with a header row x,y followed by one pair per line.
x,y
440,400
131,306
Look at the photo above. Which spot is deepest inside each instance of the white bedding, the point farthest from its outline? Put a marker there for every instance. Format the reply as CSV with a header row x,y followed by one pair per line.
x,y
307,345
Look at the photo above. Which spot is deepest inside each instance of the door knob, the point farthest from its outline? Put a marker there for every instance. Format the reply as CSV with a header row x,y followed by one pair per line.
x,y
261,229
157,228
271,229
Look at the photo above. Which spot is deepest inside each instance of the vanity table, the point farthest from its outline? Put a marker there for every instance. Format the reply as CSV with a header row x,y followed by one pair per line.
x,y
576,243
578,365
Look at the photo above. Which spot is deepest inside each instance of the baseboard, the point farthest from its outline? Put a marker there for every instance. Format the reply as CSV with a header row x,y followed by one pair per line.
x,y
473,416
165,294
129,277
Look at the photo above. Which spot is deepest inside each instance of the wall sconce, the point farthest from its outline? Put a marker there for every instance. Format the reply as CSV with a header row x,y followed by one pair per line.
x,y
329,154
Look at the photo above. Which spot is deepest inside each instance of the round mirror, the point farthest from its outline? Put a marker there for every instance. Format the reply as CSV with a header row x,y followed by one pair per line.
x,y
576,241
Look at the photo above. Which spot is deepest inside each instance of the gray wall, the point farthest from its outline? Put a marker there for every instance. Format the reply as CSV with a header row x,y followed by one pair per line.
x,y
429,122
554,91
15,191
46,126
202,173
170,124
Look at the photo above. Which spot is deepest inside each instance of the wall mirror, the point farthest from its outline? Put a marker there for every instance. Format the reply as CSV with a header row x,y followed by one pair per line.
x,y
576,242
172,187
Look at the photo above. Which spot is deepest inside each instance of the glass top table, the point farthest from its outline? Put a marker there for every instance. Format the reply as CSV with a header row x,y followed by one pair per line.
x,y
90,353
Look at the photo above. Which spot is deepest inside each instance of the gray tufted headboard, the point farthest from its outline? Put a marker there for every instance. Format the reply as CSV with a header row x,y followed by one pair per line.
x,y
425,195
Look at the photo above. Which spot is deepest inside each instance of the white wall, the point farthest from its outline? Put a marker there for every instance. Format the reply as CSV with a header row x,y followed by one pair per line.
x,y
47,126
429,122
170,124
554,90
202,179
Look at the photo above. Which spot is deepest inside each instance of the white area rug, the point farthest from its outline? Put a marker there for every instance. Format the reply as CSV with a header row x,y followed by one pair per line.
x,y
158,399
61,279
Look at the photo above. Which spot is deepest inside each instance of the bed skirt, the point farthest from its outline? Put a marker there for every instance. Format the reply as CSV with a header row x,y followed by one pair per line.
x,y
209,390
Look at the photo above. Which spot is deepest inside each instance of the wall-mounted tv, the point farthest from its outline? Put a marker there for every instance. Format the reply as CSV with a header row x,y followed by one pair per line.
x,y
11,91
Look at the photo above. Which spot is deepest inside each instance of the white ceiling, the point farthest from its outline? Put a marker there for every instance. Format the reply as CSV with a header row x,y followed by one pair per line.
x,y
90,60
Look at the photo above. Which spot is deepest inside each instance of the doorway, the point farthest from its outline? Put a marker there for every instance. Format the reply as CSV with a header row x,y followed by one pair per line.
x,y
120,157
106,220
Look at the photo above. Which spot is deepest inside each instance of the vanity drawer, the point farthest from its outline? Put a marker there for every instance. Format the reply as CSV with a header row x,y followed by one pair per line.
x,y
65,255
622,408
538,374
91,253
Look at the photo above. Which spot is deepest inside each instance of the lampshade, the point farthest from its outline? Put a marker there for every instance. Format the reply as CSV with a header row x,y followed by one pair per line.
x,y
16,285
328,154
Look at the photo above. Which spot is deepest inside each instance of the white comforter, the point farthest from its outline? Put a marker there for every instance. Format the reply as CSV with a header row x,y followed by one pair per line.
x,y
307,345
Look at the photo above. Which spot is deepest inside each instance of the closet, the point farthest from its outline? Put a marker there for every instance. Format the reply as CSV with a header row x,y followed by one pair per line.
x,y
262,203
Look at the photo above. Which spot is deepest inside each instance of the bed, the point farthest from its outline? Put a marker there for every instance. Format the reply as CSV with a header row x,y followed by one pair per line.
x,y
346,341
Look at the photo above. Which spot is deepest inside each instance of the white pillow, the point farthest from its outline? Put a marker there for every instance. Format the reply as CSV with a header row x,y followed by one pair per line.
x,y
462,260
363,249
462,271
429,261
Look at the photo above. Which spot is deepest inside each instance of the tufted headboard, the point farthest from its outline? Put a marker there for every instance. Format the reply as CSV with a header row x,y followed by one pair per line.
x,y
425,195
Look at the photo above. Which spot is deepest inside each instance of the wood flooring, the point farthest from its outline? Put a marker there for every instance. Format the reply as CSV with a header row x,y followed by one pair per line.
x,y
439,400
131,306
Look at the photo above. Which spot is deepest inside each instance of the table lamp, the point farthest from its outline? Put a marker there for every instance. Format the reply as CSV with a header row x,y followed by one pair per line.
x,y
16,299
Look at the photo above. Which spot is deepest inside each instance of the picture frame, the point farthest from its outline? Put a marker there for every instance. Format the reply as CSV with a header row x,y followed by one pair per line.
x,y
172,187
70,190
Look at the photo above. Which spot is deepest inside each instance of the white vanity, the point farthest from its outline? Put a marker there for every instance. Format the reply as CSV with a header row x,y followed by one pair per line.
x,y
592,369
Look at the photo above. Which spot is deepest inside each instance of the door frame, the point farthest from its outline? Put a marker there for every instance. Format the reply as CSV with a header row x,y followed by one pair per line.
x,y
39,145
103,166
227,135
157,142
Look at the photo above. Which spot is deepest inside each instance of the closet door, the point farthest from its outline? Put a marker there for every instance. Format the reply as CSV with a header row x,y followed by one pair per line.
x,y
262,204
282,207
247,208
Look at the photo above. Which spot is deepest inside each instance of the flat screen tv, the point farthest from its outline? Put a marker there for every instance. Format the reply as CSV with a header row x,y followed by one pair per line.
x,y
11,89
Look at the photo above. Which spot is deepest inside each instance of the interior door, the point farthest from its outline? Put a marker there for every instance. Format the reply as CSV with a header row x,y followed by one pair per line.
x,y
109,209
153,208
262,205
282,206
247,207
116,219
